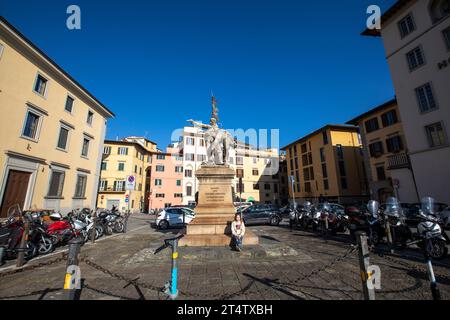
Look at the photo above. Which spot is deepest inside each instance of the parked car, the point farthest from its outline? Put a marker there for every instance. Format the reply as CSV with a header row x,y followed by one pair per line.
x,y
174,217
262,214
336,208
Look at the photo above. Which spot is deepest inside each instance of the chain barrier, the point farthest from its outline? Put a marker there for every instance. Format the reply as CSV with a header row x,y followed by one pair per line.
x,y
413,267
33,267
115,275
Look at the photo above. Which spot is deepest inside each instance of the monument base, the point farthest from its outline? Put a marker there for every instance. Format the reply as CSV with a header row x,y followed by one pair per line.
x,y
215,210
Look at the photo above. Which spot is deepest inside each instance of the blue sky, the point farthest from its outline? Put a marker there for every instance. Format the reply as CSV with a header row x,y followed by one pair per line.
x,y
273,64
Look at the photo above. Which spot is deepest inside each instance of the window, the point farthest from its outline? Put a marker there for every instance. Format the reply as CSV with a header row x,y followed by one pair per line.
x,y
342,169
103,185
123,151
371,125
140,171
161,156
381,174
376,149
256,186
80,187
149,159
121,166
306,175
178,183
135,168
30,129
324,170
255,172
119,185
56,184
189,191
179,169
425,97
107,150
201,142
40,85
325,184
344,183
340,151
190,141
178,195
255,160
90,117
389,118
160,195
307,187
62,139
325,137
240,187
406,25
415,58
446,33
188,173
85,148
295,151
275,188
158,182
159,168
1,50
305,160
189,157
267,186
304,148
69,104
140,187
322,155
240,173
394,144
104,165
436,135
239,161
201,157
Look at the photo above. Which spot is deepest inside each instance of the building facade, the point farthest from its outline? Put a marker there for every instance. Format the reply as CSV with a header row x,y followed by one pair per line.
x,y
416,37
386,159
52,131
328,163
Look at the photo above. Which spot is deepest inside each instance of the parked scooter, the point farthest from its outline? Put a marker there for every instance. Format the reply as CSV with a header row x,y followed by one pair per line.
x,y
11,234
430,235
396,228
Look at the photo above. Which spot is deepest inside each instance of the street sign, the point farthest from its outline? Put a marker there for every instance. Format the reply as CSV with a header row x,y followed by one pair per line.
x,y
127,198
130,183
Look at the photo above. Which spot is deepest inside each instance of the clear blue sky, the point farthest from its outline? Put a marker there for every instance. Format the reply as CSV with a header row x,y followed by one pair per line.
x,y
289,65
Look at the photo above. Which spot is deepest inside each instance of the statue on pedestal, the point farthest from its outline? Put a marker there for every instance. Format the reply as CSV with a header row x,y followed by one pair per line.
x,y
218,141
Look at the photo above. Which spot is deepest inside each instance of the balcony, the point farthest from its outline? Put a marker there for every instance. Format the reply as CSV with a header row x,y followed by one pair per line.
x,y
398,161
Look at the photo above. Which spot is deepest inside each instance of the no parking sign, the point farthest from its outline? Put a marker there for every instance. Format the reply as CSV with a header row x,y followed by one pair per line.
x,y
130,183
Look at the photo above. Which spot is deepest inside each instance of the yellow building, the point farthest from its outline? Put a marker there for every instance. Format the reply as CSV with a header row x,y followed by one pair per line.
x,y
327,162
52,131
259,171
130,157
386,153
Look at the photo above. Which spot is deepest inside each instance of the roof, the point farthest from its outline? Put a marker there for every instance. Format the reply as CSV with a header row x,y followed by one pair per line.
x,y
392,11
54,64
334,127
385,105
134,137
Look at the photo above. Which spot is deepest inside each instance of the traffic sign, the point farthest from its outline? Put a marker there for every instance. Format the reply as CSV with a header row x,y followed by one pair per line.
x,y
130,183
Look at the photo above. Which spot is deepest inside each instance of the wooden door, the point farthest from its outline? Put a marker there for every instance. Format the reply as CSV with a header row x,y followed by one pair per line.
x,y
15,191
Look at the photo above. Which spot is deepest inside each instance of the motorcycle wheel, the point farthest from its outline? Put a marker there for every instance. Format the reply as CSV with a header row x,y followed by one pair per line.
x,y
119,227
31,252
100,231
107,230
437,249
45,245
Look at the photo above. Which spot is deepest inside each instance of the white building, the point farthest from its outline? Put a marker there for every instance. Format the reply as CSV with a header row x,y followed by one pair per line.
x,y
416,37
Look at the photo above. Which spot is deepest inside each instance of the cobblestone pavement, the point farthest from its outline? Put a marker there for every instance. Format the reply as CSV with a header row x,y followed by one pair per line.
x,y
286,265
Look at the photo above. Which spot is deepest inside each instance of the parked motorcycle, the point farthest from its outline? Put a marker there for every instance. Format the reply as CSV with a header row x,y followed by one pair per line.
x,y
396,228
430,235
11,234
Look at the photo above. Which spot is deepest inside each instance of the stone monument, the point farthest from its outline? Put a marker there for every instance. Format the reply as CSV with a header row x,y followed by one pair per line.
x,y
215,210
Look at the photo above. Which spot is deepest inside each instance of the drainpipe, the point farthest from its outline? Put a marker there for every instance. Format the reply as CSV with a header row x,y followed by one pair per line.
x,y
414,177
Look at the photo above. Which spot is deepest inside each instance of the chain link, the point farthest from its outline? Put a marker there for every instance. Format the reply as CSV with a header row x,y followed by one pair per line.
x,y
36,266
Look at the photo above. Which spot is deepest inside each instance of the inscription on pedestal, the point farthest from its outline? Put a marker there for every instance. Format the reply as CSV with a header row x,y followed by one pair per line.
x,y
215,195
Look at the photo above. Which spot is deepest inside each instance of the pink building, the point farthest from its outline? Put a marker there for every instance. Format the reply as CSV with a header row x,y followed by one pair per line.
x,y
165,179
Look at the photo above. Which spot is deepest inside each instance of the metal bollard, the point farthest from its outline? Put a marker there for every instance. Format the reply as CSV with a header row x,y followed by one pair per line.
x,y
72,281
436,293
364,265
2,254
94,226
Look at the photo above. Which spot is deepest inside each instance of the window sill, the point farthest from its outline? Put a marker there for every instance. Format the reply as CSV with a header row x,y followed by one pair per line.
x,y
62,150
79,198
84,157
43,96
29,139
53,198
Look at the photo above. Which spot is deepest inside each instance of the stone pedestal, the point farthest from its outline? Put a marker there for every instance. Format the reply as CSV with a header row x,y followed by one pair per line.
x,y
215,210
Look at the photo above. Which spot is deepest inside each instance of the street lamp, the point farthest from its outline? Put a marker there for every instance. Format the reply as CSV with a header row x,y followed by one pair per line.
x,y
291,178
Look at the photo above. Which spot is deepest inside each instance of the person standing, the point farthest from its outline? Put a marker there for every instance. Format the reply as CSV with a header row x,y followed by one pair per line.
x,y
238,232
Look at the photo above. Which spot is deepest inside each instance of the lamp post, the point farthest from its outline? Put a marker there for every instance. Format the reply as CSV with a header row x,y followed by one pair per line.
x,y
293,194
